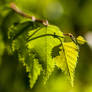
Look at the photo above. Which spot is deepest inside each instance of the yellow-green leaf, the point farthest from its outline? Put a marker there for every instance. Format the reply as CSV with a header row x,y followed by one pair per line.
x,y
68,59
81,40
43,45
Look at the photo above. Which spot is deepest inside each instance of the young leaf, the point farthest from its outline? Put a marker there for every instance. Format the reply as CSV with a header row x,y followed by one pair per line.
x,y
81,40
17,36
32,65
36,44
68,59
43,42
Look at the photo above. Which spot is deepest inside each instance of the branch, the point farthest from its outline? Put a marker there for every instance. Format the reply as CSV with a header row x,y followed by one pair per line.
x,y
17,10
44,22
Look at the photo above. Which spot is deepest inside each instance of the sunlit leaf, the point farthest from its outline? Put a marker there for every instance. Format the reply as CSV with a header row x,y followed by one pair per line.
x,y
68,59
81,40
43,45
36,44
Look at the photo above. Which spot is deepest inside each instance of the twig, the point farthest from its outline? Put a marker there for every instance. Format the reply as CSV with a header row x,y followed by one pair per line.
x,y
68,34
44,22
71,36
17,10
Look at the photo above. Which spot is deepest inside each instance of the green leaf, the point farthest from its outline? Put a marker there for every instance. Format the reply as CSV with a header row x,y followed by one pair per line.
x,y
43,42
17,38
32,65
68,59
34,47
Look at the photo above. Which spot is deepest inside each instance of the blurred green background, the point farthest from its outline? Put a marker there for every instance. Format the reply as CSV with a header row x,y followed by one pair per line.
x,y
74,16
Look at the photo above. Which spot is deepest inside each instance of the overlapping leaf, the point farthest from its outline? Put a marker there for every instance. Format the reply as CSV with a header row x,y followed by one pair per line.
x,y
18,43
68,59
34,47
40,48
31,62
43,42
